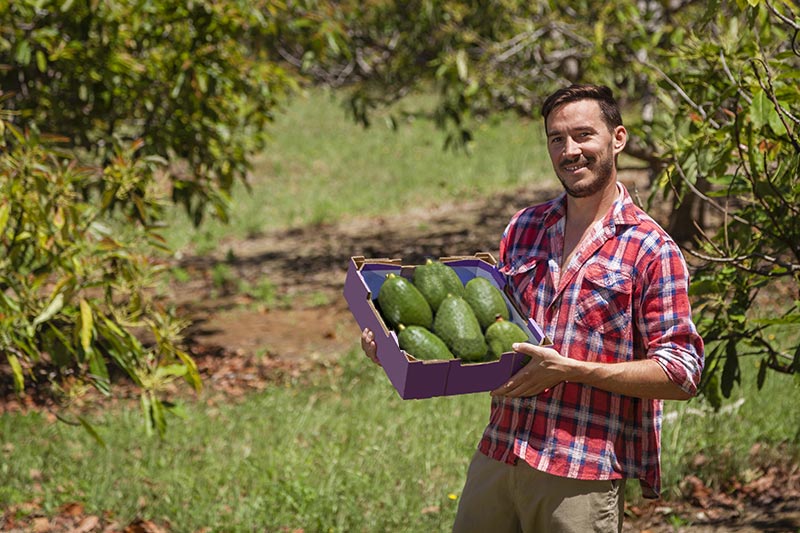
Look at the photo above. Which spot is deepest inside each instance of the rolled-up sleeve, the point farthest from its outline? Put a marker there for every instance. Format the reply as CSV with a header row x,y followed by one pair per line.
x,y
670,335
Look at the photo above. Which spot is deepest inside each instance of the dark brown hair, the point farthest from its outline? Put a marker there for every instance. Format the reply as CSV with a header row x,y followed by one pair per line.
x,y
600,93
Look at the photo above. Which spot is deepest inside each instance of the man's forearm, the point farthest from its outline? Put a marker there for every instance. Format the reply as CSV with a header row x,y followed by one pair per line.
x,y
640,379
547,368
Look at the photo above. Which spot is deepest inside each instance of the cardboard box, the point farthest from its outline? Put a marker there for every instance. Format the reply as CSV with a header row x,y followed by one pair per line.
x,y
415,378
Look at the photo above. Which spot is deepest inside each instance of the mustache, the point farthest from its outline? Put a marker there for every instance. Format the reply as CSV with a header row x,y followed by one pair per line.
x,y
580,159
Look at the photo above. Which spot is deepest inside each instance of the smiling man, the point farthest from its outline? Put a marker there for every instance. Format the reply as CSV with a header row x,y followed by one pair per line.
x,y
609,286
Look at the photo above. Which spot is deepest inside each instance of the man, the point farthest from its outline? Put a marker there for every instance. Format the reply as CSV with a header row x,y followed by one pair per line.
x,y
609,287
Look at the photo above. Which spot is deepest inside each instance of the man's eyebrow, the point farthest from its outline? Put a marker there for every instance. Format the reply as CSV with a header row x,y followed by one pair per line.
x,y
551,133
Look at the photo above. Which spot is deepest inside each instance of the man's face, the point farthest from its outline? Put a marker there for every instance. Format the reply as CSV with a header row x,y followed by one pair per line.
x,y
582,148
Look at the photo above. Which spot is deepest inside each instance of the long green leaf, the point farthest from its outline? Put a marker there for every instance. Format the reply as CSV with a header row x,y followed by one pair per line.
x,y
147,412
91,431
56,304
16,369
5,211
192,376
730,372
99,370
759,109
87,325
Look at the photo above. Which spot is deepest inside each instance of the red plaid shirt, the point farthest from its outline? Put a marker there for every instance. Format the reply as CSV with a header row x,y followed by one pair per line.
x,y
622,297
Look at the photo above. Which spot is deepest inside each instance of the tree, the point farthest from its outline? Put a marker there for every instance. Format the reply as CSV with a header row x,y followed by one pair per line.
x,y
108,110
735,100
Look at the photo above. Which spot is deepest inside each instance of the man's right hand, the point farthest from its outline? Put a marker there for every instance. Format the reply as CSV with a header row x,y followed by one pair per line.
x,y
369,346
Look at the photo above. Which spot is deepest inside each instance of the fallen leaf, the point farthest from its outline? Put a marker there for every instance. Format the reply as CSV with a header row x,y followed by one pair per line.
x,y
87,525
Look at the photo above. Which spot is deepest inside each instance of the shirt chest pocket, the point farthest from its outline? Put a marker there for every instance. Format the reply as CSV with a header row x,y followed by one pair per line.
x,y
604,301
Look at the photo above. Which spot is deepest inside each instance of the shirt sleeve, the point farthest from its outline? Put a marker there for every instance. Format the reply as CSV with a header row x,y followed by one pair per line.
x,y
670,335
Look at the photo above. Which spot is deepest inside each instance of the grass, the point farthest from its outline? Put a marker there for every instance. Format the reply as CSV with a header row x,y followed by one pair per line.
x,y
292,457
340,453
752,430
321,167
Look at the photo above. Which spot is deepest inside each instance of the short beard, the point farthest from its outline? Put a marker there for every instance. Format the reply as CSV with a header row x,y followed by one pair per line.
x,y
604,173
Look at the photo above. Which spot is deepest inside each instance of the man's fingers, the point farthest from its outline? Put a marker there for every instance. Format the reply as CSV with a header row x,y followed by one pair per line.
x,y
368,345
532,349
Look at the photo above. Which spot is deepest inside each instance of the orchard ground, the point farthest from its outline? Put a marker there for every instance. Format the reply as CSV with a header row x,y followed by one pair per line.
x,y
251,303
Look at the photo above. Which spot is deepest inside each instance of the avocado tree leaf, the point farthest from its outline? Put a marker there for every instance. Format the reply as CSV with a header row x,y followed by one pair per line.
x,y
5,211
56,304
99,372
730,372
16,369
91,431
87,325
759,109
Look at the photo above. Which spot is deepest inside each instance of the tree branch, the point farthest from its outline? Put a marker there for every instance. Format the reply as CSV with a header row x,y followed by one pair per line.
x,y
791,268
682,93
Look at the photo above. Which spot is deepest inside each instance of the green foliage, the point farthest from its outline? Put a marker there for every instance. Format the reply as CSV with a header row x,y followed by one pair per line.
x,y
195,81
735,145
147,100
73,288
482,57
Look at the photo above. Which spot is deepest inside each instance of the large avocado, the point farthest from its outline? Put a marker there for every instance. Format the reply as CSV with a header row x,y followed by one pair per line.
x,y
422,343
456,325
435,280
501,335
401,303
486,301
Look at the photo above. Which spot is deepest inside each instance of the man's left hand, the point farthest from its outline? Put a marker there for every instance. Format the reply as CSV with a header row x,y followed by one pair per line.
x,y
546,369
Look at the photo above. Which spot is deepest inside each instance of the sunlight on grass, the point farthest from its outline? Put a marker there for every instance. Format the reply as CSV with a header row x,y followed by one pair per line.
x,y
321,167
344,454
338,451
720,446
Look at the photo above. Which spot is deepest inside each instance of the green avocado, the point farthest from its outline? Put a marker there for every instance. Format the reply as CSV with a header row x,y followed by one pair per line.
x,y
402,303
435,280
456,325
422,343
501,335
486,301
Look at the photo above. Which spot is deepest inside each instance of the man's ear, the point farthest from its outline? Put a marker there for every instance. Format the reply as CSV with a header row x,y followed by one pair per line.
x,y
620,139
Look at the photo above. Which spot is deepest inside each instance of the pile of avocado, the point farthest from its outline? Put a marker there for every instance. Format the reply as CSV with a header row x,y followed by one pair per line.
x,y
436,316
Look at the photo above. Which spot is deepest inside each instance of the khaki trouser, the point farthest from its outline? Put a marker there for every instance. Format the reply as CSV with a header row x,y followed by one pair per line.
x,y
499,497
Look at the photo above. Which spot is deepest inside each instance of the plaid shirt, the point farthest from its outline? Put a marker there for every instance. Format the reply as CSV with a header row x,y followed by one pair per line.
x,y
622,297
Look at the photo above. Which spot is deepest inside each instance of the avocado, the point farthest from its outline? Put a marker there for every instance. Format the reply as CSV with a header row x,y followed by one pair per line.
x,y
402,303
456,325
435,280
422,343
501,335
486,301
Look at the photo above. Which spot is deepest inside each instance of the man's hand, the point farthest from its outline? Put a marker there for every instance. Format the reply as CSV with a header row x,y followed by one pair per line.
x,y
369,346
643,378
546,369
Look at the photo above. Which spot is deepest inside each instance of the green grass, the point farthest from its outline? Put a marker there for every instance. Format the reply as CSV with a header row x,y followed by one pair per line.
x,y
342,453
321,167
752,430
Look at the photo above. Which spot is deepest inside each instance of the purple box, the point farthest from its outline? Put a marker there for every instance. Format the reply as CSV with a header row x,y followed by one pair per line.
x,y
414,378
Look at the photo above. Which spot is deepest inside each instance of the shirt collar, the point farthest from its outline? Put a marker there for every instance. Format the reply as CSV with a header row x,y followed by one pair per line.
x,y
622,213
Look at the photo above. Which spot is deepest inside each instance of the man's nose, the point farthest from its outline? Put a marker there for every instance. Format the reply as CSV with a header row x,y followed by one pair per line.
x,y
571,148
